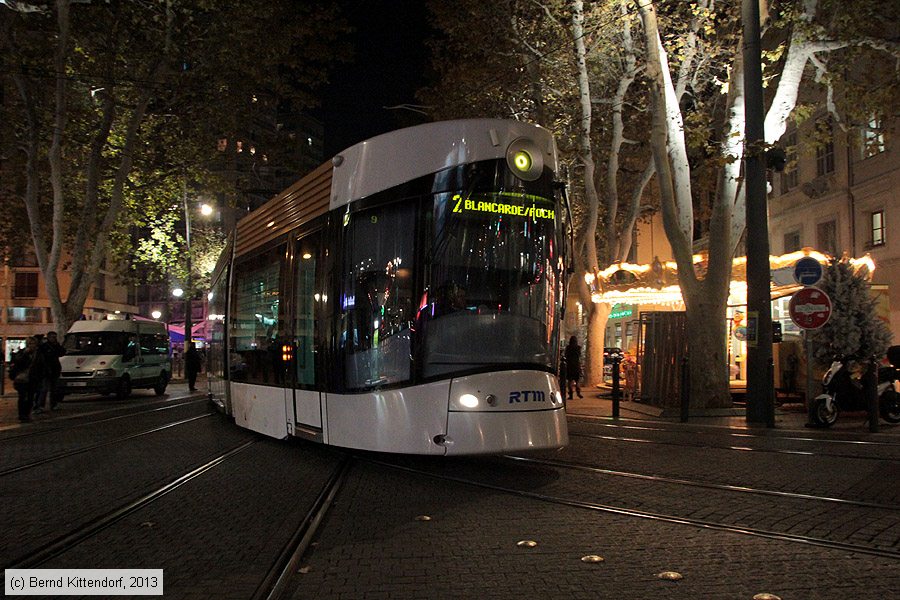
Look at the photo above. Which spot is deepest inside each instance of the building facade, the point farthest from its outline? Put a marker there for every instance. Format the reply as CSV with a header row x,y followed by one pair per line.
x,y
842,196
25,304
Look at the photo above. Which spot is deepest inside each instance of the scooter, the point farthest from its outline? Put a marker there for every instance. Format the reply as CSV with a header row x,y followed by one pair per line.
x,y
843,393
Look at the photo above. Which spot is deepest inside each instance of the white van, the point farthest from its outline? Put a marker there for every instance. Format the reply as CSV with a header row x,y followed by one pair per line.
x,y
115,357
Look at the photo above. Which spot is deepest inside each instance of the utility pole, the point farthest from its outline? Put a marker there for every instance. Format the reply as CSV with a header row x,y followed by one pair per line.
x,y
760,390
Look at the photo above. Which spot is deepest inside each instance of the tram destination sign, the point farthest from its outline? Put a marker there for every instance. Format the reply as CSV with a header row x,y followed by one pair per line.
x,y
506,204
810,308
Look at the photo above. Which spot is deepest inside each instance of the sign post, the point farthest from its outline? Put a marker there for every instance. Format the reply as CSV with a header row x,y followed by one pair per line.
x,y
809,308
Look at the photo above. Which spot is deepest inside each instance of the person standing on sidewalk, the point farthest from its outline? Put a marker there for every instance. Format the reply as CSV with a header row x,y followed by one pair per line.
x,y
50,350
23,374
192,365
573,366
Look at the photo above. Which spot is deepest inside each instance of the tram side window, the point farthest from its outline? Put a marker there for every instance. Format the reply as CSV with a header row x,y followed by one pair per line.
x,y
257,324
376,300
216,325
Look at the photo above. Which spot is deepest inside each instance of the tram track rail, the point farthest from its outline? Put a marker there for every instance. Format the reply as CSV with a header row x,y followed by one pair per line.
x,y
700,484
89,447
736,448
718,430
170,404
652,515
73,538
276,581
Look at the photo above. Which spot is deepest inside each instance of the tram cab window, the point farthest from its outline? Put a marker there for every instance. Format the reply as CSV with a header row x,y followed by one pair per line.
x,y
376,296
257,325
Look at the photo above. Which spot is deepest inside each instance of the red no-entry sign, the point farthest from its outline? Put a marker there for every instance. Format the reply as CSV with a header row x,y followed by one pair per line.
x,y
810,308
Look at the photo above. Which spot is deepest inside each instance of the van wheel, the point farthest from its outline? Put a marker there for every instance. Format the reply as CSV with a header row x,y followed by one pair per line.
x,y
124,389
160,388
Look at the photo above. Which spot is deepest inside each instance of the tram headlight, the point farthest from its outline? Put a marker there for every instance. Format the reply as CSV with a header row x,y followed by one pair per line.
x,y
468,400
524,159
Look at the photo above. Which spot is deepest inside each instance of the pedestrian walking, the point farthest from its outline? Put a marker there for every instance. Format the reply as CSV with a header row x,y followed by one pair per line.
x,y
573,367
50,350
192,366
23,374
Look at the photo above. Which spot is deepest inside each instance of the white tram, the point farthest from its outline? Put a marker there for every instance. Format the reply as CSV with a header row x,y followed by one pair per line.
x,y
404,297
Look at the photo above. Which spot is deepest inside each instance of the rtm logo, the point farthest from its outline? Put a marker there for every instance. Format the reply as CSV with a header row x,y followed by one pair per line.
x,y
527,396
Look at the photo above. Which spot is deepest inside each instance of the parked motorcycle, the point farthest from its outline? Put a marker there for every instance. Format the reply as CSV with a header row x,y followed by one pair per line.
x,y
844,392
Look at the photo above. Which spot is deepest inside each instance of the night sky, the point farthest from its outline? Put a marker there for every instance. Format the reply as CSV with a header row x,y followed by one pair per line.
x,y
388,67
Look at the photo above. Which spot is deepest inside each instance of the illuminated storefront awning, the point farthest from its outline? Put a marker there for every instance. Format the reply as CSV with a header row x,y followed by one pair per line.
x,y
657,283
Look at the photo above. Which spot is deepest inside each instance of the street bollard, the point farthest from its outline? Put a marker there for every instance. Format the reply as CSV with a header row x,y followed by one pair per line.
x,y
616,391
870,389
685,389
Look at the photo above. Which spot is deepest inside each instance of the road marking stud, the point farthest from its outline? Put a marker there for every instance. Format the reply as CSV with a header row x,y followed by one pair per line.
x,y
766,596
526,544
423,518
592,558
304,570
670,575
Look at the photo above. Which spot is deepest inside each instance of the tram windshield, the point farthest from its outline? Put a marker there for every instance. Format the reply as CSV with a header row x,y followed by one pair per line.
x,y
493,283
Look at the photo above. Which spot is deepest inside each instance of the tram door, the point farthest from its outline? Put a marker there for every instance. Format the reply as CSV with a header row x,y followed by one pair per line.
x,y
309,301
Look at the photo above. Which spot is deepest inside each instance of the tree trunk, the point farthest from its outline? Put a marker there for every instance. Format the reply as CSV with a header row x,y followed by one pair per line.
x,y
707,332
593,353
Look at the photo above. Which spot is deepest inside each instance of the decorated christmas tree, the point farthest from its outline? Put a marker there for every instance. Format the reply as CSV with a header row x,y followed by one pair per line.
x,y
854,329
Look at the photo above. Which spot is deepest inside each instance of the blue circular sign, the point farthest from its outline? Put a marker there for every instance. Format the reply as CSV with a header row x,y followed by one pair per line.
x,y
807,271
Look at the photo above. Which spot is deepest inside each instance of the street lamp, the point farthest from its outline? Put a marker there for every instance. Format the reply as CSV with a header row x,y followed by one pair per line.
x,y
156,314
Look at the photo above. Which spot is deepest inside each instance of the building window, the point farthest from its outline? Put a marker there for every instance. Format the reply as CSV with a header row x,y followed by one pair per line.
x,y
792,241
872,134
878,228
791,174
100,288
26,285
23,314
826,237
825,151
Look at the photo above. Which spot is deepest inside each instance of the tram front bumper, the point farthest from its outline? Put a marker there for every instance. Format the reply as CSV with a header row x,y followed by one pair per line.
x,y
487,432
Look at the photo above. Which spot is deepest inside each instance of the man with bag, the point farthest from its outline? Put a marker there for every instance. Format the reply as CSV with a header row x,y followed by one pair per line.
x,y
24,372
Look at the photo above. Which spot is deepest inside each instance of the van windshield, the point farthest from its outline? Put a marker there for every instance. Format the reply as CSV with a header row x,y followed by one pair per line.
x,y
95,342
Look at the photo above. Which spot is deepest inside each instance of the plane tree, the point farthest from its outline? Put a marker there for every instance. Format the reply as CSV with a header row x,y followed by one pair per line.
x,y
809,43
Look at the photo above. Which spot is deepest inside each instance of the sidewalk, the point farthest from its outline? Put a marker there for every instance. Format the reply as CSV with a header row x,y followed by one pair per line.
x,y
598,404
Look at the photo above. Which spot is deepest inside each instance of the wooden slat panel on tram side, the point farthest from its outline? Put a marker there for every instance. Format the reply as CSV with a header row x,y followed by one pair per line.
x,y
307,199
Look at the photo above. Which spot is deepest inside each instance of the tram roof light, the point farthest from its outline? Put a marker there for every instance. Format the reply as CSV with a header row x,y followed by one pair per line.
x,y
524,159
